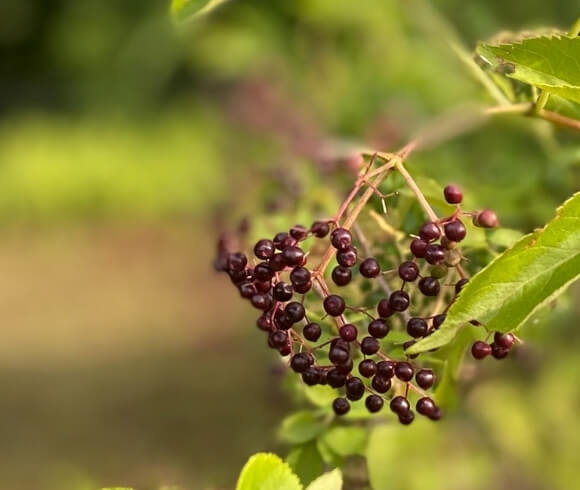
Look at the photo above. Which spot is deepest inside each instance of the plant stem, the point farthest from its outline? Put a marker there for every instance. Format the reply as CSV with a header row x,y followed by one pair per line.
x,y
415,188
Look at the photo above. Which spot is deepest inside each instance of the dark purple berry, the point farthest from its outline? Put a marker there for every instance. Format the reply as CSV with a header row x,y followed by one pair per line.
x,y
400,405
277,262
347,257
417,327
286,350
311,376
298,232
261,301
408,344
438,320
348,332
237,261
455,230
338,355
367,368
247,289
282,320
303,288
370,268
380,384
498,352
340,406
480,349
425,406
282,292
434,254
459,285
300,276
312,332
429,231
418,248
386,369
334,305
355,388
341,238
378,328
264,322
383,308
425,378
335,378
345,368
278,338
369,346
504,340
453,194
263,286
399,301
293,256
264,249
436,415
408,271
485,219
406,418
404,371
288,242
320,229
341,276
295,311
300,362
374,403
263,272
279,239
429,286
342,344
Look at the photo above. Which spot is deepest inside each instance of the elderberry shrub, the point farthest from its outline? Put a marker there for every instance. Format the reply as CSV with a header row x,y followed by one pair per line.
x,y
298,309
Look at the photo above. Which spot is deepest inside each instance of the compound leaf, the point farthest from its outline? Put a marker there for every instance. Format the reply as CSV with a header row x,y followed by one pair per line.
x,y
550,63
266,471
503,295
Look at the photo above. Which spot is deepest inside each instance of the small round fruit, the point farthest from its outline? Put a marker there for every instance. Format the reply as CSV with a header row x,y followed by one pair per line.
x,y
425,406
282,292
434,254
418,248
355,388
369,346
386,369
311,376
341,238
303,288
237,261
293,256
485,219
374,403
383,308
300,362
408,271
340,406
335,378
407,417
400,405
404,371
264,249
498,352
480,349
425,378
417,327
347,257
341,276
380,384
348,332
295,311
278,338
312,332
438,320
320,229
277,262
370,268
453,194
298,232
300,276
261,301
367,368
429,286
429,231
459,285
455,230
399,301
338,355
378,328
504,340
334,305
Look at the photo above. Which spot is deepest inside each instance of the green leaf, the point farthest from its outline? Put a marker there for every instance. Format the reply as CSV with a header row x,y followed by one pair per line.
x,y
550,63
303,426
306,461
504,237
183,10
346,440
329,481
513,286
266,471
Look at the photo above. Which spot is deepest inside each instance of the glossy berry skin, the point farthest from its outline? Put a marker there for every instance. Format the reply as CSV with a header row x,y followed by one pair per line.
x,y
455,230
278,338
298,232
417,327
355,388
340,406
378,328
418,248
399,301
237,262
263,286
294,311
386,369
293,256
247,289
341,239
264,322
279,239
408,344
380,384
369,346
407,417
436,415
341,276
453,194
374,403
370,268
434,254
264,249
303,288
480,349
348,332
408,271
383,308
367,368
345,368
338,355
498,352
347,257
438,320
404,371
459,285
335,378
300,362
425,378
429,232
485,219
504,340
282,292
312,332
263,272
429,286
320,229
261,301
300,275
425,406
334,305
277,262
400,405
311,376
342,344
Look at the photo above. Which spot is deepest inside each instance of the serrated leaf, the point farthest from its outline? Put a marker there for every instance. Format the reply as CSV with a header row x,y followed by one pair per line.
x,y
550,63
266,471
329,481
306,461
513,286
303,426
183,10
346,441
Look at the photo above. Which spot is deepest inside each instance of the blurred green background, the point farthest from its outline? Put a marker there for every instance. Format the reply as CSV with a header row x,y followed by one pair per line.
x,y
126,143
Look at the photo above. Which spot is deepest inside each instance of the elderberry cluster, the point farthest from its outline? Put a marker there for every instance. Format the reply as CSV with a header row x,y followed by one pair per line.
x,y
279,281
